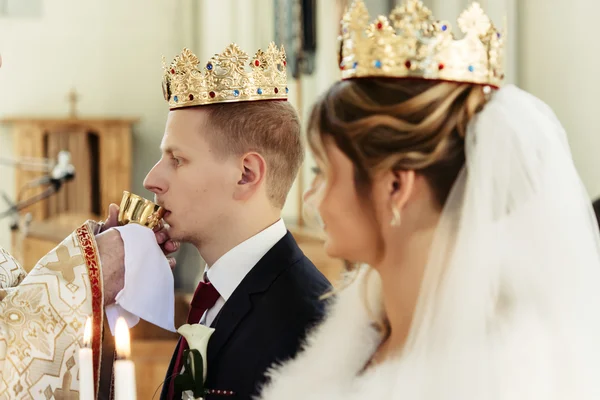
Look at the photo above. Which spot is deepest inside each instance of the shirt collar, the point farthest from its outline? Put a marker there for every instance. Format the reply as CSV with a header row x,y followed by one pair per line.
x,y
229,270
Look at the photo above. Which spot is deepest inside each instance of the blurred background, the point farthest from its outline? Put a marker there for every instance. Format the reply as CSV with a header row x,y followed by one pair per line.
x,y
85,76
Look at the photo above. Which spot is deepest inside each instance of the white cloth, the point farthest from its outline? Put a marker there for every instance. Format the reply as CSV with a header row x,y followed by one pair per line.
x,y
508,307
149,291
229,270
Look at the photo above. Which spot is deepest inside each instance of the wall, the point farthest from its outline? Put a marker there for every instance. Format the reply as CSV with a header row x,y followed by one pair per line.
x,y
551,54
559,63
249,23
109,51
210,27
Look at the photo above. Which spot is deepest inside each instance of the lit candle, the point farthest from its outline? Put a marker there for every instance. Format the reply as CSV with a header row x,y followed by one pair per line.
x,y
124,368
86,365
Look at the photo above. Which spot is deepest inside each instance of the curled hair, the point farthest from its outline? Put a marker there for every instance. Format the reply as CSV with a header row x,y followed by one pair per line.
x,y
396,124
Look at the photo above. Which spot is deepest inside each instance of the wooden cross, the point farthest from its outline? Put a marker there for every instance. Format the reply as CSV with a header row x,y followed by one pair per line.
x,y
73,98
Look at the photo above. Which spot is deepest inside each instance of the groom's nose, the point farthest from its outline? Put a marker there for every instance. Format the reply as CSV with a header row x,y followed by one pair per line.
x,y
154,182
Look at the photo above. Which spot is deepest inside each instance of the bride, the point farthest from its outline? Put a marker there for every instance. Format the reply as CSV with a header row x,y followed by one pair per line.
x,y
479,249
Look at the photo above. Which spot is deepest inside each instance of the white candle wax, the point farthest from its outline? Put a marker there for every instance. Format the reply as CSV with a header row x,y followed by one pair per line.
x,y
124,380
86,375
86,365
124,370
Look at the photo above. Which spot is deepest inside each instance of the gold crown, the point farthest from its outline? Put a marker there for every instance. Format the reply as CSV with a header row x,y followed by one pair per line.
x,y
225,78
411,44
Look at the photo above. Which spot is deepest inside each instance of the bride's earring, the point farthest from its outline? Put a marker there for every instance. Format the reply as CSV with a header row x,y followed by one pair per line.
x,y
396,217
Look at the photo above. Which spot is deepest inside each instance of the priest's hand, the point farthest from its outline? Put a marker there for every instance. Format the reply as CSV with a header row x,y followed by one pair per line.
x,y
161,231
111,251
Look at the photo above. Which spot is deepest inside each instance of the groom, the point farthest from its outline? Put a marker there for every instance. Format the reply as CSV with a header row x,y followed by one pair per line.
x,y
596,206
230,153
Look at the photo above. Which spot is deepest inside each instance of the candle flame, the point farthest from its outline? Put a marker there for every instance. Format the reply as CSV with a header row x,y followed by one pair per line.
x,y
87,333
123,346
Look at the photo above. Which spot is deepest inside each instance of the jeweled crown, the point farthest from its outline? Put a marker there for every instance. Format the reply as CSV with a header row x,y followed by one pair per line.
x,y
225,78
411,44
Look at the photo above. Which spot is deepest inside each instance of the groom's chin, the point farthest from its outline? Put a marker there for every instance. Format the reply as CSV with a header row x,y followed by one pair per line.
x,y
177,235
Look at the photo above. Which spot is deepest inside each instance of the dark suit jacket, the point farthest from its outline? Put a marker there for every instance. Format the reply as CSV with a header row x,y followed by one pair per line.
x,y
596,205
263,322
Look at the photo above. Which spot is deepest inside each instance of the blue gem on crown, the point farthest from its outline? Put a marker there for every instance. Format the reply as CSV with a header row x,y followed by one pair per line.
x,y
412,33
187,82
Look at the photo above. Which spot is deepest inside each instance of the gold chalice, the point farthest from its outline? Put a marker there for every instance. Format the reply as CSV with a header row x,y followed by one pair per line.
x,y
137,210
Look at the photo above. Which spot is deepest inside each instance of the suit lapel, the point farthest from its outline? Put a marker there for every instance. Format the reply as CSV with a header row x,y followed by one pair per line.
x,y
165,389
278,258
232,313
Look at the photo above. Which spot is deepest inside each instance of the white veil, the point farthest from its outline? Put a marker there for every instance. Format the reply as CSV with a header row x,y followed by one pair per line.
x,y
510,303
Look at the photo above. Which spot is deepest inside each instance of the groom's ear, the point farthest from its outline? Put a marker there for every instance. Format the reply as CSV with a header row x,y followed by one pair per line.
x,y
252,173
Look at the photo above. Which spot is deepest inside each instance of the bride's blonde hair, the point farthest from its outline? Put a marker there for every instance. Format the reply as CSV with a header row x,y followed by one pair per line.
x,y
396,124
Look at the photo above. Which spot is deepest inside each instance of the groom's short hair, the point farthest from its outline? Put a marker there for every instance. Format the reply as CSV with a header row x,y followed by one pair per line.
x,y
269,127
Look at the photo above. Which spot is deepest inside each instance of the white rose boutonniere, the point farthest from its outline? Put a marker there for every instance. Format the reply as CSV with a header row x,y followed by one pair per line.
x,y
191,381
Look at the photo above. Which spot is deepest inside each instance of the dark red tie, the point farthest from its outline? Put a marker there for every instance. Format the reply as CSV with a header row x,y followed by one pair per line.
x,y
204,298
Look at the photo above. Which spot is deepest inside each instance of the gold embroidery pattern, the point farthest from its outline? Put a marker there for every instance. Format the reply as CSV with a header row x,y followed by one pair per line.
x,y
65,264
42,319
11,273
90,252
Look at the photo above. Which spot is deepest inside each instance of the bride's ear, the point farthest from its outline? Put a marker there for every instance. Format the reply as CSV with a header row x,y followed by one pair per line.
x,y
400,187
393,190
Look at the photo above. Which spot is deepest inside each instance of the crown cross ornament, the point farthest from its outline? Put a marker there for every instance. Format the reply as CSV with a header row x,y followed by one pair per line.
x,y
231,76
412,44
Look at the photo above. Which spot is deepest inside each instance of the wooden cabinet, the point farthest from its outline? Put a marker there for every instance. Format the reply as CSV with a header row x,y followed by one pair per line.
x,y
33,243
151,358
101,152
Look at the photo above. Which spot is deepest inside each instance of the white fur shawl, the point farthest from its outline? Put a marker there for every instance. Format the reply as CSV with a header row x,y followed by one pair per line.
x,y
525,362
334,355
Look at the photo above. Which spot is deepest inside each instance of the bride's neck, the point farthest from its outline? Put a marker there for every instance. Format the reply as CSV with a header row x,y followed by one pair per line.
x,y
401,274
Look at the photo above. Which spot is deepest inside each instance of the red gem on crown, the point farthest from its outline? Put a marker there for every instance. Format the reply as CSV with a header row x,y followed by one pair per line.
x,y
212,95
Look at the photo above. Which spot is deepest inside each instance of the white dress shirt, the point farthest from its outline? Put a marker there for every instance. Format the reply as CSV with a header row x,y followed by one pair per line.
x,y
229,270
